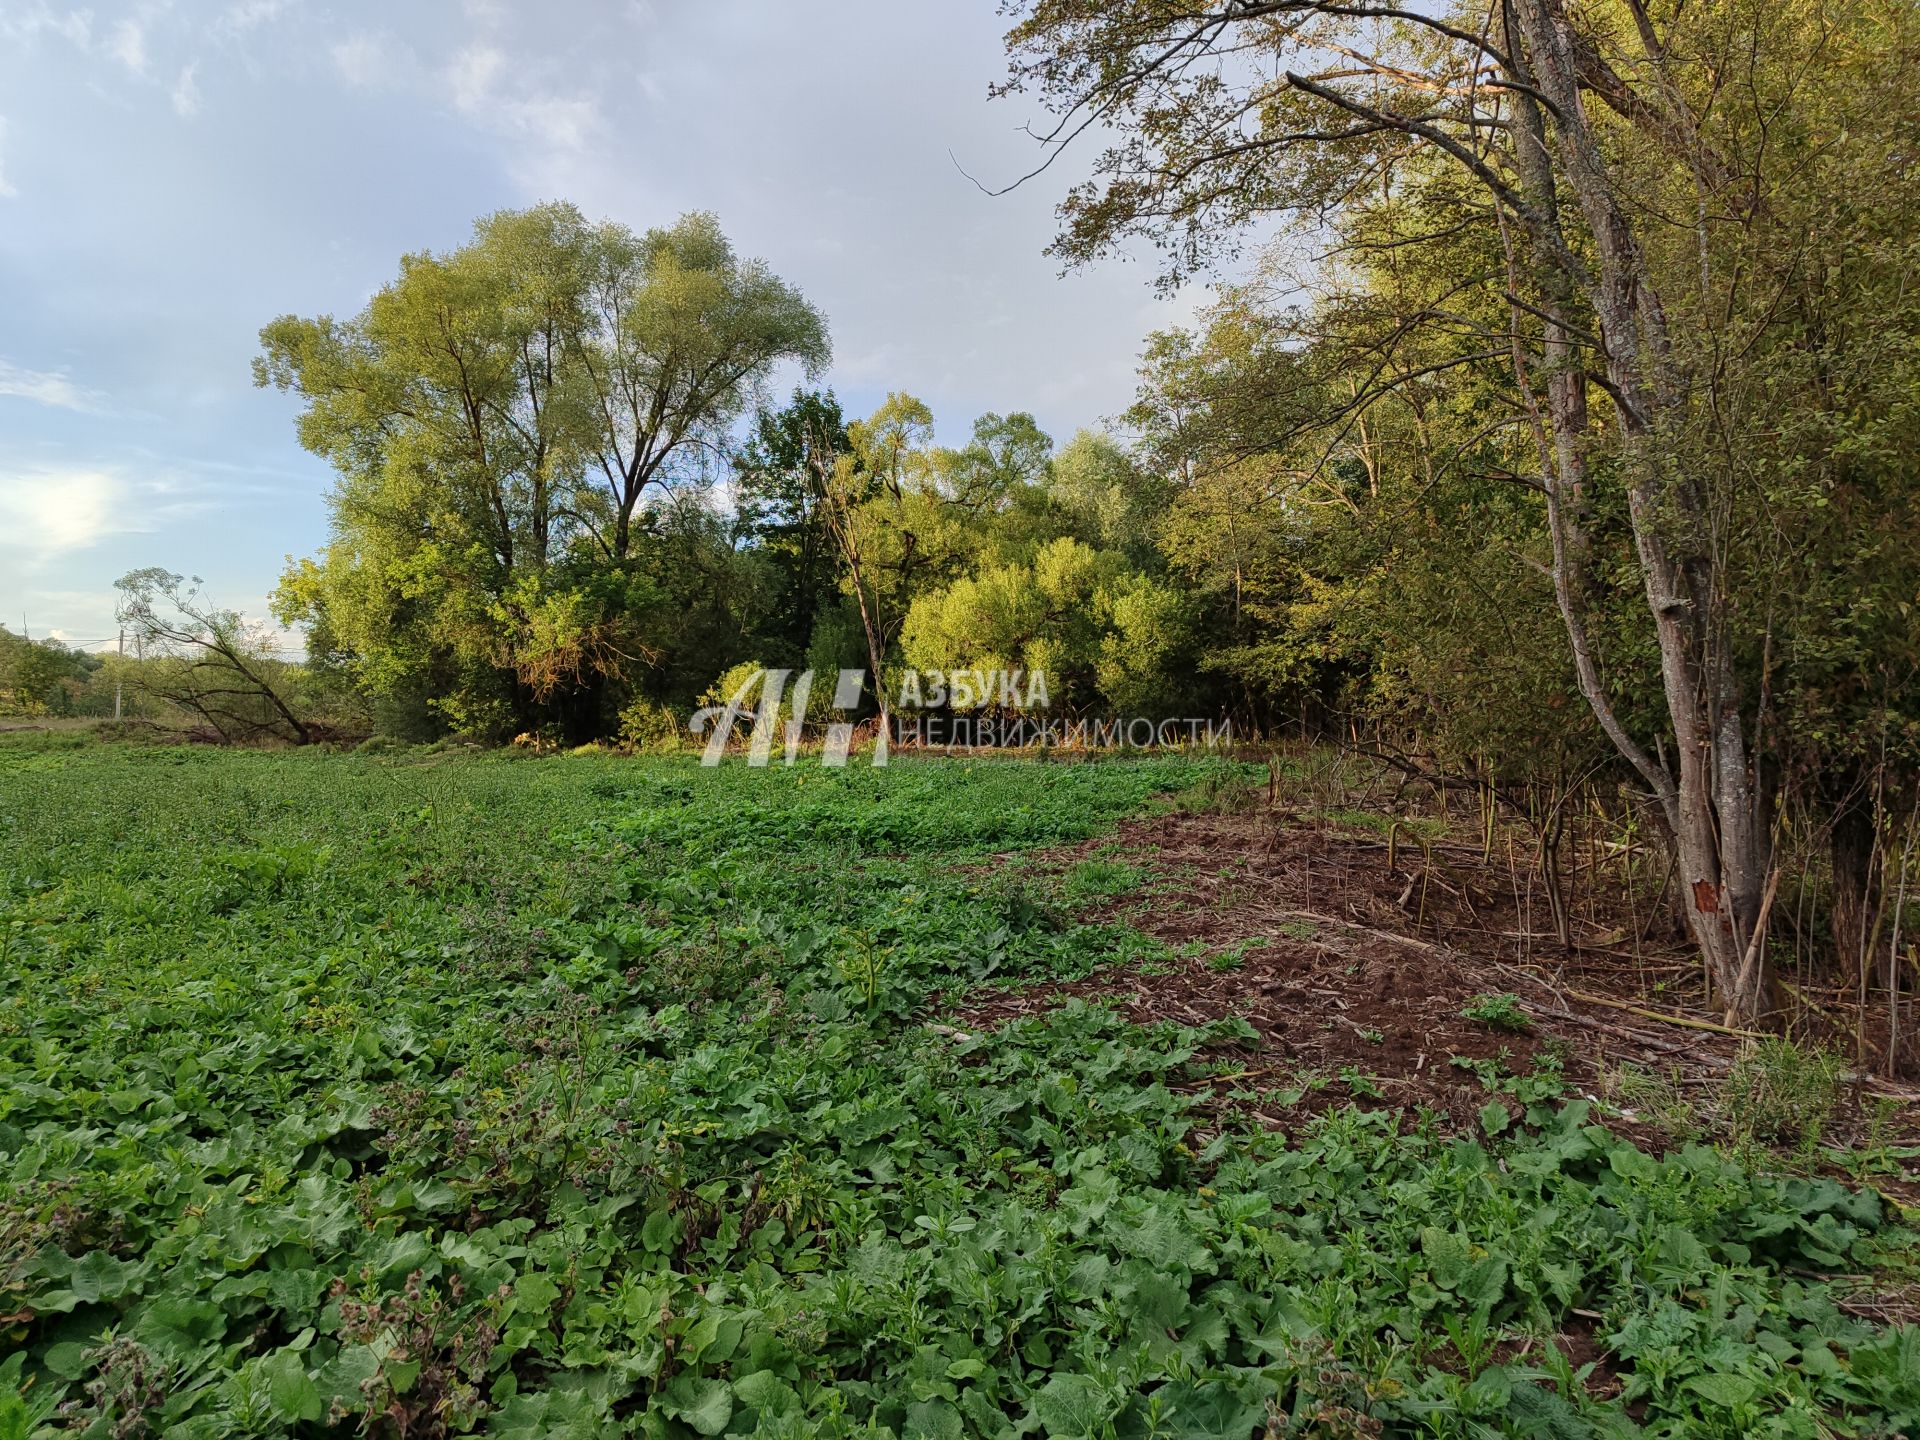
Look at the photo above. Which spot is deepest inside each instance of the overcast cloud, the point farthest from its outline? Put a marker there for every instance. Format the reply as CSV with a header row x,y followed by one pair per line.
x,y
173,175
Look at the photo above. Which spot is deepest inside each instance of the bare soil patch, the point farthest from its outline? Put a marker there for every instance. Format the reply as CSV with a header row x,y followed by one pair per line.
x,y
1353,960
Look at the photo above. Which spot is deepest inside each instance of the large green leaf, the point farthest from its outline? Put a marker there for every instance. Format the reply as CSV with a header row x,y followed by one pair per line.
x,y
705,1404
1070,1406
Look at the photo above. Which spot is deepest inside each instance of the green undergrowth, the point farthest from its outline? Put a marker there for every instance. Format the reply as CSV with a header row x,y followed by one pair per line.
x,y
588,1096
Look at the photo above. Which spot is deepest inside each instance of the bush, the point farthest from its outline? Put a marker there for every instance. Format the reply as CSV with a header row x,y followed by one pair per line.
x,y
650,726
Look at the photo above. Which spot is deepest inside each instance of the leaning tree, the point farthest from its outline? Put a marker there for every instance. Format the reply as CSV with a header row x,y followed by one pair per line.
x,y
206,659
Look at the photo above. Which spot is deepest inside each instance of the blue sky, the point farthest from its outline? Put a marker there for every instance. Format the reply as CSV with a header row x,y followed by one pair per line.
x,y
174,175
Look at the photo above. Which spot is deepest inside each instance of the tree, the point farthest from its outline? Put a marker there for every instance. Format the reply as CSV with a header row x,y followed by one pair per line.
x,y
1607,163
1107,498
1097,630
1008,457
36,673
870,496
206,659
778,496
514,424
1037,616
680,333
445,410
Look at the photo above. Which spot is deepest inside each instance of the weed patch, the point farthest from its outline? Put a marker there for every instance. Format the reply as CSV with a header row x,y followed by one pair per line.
x,y
587,1096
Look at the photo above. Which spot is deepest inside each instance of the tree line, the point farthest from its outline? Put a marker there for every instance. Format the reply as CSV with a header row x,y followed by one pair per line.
x,y
566,503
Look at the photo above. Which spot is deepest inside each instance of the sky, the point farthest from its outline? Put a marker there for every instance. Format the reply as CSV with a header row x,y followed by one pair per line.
x,y
173,175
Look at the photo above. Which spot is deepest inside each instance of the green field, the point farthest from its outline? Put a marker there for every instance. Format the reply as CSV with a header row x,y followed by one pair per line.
x,y
588,1096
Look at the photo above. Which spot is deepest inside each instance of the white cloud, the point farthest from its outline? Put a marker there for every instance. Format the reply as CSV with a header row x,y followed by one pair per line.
x,y
186,91
129,46
44,387
556,122
471,75
75,26
52,510
364,61
56,511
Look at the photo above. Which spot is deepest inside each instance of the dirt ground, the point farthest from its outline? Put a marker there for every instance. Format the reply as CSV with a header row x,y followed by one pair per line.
x,y
1353,960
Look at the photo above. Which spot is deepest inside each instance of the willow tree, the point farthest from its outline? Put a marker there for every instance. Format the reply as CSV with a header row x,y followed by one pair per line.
x,y
680,333
1622,162
207,660
501,418
444,410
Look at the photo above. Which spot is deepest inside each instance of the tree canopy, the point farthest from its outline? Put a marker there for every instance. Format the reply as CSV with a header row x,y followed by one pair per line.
x,y
1580,276
525,431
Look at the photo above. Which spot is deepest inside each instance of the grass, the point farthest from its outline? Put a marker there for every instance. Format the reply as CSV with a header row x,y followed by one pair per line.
x,y
1779,1095
412,1095
1773,1106
1099,879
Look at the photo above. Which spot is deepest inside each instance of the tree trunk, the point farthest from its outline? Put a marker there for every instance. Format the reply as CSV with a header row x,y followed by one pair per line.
x,y
1712,803
1850,844
876,655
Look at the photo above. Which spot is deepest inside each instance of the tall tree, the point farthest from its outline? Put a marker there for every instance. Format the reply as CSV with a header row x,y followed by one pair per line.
x,y
681,332
445,410
877,500
509,422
